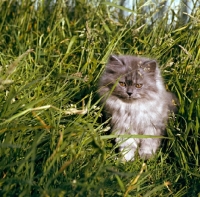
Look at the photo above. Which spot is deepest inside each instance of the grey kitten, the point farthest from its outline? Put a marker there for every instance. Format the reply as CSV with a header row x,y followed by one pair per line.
x,y
135,98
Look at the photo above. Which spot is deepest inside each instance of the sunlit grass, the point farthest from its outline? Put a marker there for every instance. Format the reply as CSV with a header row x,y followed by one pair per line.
x,y
52,134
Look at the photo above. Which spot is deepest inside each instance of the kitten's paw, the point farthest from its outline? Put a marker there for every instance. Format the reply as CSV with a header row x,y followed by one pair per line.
x,y
129,156
146,156
128,148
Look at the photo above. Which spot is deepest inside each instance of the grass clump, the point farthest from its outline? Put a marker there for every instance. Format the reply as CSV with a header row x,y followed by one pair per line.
x,y
52,139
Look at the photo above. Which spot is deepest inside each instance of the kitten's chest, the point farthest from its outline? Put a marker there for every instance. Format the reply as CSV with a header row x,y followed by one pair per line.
x,y
135,115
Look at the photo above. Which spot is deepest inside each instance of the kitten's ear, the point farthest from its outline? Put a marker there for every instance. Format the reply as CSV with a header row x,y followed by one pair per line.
x,y
115,59
149,66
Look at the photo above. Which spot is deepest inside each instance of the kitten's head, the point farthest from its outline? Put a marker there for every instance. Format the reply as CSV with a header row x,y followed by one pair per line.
x,y
130,78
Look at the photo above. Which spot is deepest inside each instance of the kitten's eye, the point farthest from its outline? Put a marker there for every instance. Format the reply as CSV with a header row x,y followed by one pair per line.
x,y
138,85
122,84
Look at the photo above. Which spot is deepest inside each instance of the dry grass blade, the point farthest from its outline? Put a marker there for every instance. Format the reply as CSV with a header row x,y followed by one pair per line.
x,y
132,183
13,65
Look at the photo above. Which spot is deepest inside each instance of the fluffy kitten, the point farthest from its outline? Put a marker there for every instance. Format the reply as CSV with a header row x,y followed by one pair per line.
x,y
135,98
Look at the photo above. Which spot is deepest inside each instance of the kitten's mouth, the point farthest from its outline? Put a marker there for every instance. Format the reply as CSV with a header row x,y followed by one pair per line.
x,y
130,98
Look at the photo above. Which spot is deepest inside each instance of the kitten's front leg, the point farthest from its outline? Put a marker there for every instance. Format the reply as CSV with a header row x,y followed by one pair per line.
x,y
127,147
149,146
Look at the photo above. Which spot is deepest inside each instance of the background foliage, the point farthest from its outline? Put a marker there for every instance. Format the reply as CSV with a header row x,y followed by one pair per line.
x,y
53,140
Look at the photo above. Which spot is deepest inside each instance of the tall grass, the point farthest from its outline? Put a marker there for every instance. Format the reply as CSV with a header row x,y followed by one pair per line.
x,y
52,137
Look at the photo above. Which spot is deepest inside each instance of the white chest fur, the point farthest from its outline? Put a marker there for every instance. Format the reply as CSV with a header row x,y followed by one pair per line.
x,y
134,117
137,117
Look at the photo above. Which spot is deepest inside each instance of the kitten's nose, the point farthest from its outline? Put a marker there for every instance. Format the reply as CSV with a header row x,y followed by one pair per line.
x,y
129,93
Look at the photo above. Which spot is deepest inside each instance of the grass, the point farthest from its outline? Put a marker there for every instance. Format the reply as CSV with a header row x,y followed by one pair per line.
x,y
52,137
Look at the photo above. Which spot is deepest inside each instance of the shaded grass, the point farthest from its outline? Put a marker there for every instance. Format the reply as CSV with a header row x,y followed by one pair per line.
x,y
53,142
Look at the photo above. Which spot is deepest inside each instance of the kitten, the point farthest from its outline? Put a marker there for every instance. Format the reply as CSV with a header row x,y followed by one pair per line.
x,y
135,98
